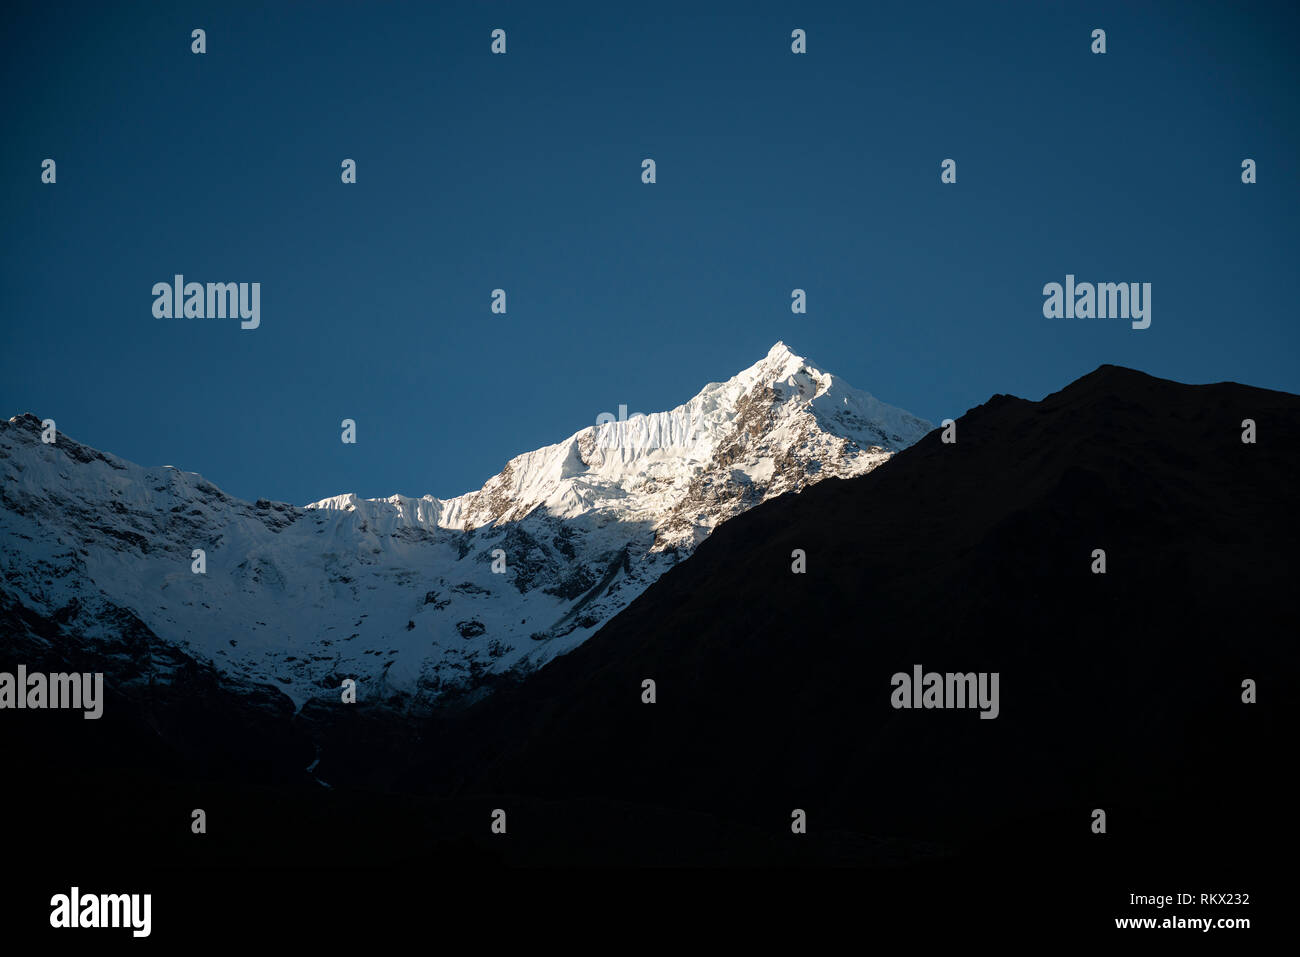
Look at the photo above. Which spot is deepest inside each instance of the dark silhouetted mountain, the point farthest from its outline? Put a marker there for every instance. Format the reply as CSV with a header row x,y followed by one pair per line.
x,y
1120,691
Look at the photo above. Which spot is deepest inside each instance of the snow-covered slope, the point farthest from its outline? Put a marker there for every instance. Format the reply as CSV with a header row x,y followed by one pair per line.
x,y
414,598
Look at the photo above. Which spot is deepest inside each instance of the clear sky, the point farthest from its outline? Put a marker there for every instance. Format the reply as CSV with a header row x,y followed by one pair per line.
x,y
523,171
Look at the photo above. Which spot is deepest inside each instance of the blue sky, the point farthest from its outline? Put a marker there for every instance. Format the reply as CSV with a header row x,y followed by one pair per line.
x,y
522,171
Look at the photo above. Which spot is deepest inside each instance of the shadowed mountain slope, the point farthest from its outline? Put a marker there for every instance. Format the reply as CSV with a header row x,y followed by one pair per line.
x,y
1119,690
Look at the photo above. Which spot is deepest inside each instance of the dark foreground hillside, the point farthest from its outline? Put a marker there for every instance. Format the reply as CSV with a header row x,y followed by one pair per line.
x,y
1120,691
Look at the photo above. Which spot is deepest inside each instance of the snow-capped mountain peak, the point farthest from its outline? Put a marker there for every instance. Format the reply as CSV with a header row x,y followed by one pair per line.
x,y
418,597
781,406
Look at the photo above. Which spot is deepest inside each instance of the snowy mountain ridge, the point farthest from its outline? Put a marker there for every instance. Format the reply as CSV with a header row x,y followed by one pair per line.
x,y
418,598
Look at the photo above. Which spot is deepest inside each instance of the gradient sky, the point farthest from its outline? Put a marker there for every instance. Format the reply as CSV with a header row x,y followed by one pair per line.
x,y
522,171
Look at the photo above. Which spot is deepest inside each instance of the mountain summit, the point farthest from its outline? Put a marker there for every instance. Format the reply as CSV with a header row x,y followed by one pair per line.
x,y
419,598
774,427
